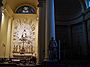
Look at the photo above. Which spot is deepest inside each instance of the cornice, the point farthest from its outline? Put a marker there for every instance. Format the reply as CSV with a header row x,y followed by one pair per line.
x,y
1,4
41,3
41,0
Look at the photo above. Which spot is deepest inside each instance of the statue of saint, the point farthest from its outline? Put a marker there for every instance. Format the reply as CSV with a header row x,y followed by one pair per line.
x,y
53,49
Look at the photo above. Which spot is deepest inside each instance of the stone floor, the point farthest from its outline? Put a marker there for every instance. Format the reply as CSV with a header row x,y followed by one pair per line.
x,y
65,63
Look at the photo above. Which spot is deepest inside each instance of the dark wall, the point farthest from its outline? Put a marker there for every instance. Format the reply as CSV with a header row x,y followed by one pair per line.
x,y
87,20
77,40
62,34
75,37
88,33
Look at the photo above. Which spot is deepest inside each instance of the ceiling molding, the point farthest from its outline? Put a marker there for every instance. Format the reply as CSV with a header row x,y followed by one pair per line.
x,y
68,9
41,0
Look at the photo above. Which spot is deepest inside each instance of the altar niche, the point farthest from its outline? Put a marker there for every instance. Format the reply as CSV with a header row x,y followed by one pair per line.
x,y
24,40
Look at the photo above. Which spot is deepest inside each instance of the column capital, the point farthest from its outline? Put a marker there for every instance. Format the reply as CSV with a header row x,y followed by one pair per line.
x,y
41,0
1,4
41,3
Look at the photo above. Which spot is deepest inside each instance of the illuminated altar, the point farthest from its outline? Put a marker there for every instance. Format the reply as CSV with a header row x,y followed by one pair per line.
x,y
24,36
21,29
26,28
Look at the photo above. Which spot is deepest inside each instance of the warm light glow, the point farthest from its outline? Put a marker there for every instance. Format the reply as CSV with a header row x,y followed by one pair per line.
x,y
2,18
23,36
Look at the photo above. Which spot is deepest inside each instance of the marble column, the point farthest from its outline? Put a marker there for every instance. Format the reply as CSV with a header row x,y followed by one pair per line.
x,y
49,25
50,17
41,31
0,17
8,46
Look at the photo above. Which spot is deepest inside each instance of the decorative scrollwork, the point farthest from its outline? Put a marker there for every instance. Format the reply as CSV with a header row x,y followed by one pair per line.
x,y
23,36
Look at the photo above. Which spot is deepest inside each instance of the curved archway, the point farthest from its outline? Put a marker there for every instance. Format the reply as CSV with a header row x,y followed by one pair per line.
x,y
25,9
68,9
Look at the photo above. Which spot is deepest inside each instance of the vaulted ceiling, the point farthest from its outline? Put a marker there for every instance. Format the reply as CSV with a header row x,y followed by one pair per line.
x,y
13,4
67,9
64,9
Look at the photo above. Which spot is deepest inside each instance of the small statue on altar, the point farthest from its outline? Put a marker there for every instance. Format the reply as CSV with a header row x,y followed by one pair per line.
x,y
14,49
53,49
19,48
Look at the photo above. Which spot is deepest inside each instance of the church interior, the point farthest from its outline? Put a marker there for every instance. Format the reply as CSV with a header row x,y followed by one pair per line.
x,y
27,27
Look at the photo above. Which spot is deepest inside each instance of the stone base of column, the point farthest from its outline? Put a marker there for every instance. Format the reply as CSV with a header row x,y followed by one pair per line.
x,y
55,60
49,63
46,59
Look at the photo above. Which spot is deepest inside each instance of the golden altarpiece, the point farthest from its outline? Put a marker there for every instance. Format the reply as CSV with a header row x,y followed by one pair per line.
x,y
19,28
24,35
26,28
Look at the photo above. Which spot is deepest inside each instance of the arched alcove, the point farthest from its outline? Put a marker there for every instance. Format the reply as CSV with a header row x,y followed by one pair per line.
x,y
25,9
